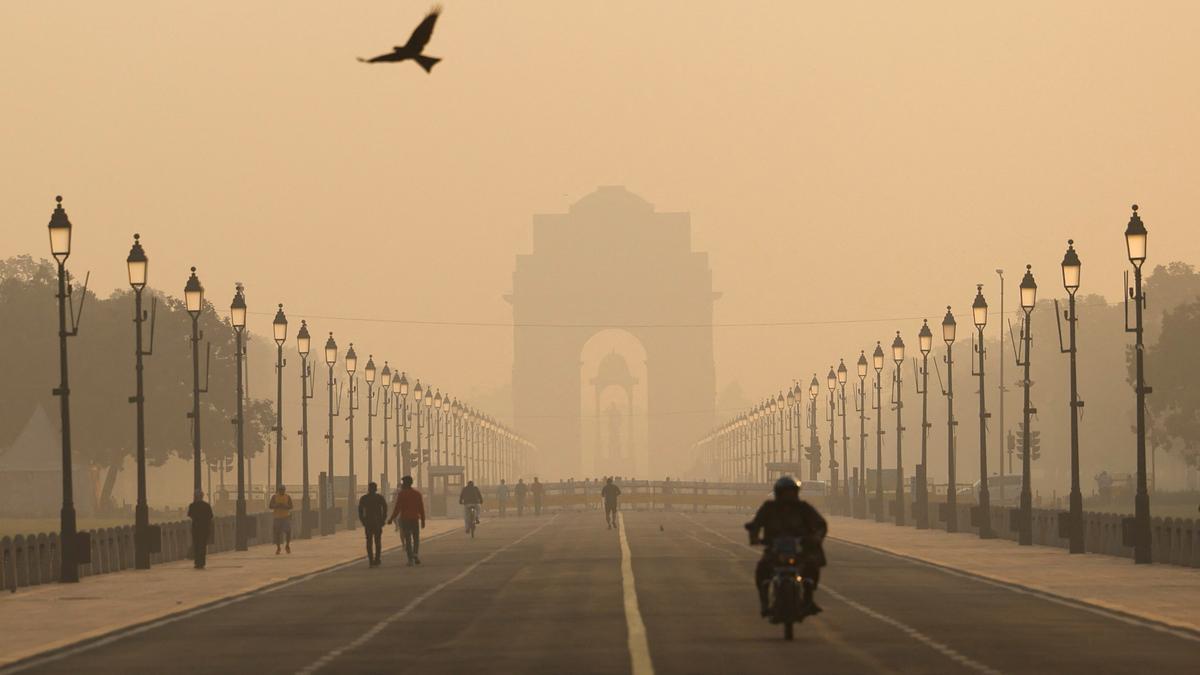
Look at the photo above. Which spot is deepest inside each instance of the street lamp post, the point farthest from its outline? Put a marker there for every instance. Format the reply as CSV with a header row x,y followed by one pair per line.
x,y
60,247
1028,300
898,406
352,400
404,460
193,295
279,332
385,390
877,406
369,378
303,343
925,344
860,405
237,316
814,443
1135,244
327,520
949,332
842,373
831,384
1071,268
418,395
983,514
137,265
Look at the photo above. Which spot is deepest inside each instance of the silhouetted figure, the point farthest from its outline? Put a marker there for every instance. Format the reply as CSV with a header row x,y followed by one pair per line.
x,y
410,510
539,491
502,497
281,523
789,516
372,512
415,45
520,491
609,493
202,516
472,499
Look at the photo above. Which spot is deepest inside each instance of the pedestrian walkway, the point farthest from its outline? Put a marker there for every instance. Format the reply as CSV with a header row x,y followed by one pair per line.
x,y
43,618
1166,594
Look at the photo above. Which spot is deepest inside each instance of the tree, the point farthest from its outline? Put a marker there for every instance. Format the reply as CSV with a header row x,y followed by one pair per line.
x,y
102,374
1173,368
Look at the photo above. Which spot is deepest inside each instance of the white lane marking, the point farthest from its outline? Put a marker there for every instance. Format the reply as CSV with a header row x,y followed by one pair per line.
x,y
137,630
1043,595
946,650
940,647
639,647
711,545
377,628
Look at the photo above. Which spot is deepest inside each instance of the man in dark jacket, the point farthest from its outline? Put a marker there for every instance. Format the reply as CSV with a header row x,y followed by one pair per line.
x,y
539,491
372,513
202,517
789,516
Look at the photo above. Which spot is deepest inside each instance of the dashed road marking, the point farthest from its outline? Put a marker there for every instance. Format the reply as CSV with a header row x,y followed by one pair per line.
x,y
413,604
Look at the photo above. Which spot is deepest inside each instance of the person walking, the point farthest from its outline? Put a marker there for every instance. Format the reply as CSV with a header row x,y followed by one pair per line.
x,y
609,493
410,510
521,489
202,516
281,524
372,511
538,490
502,497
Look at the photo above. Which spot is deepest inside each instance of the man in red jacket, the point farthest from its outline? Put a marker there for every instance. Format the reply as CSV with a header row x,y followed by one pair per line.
x,y
410,509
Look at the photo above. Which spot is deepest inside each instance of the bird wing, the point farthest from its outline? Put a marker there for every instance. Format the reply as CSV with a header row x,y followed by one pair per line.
x,y
421,34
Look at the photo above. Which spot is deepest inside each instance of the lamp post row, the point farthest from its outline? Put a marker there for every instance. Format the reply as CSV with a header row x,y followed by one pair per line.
x,y
731,452
496,452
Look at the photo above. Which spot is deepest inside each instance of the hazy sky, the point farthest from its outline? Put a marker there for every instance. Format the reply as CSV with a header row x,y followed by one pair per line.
x,y
840,160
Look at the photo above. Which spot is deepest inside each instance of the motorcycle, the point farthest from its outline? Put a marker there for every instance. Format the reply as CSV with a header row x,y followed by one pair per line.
x,y
786,586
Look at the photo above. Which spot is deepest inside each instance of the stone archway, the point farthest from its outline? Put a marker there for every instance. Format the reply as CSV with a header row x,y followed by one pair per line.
x,y
612,261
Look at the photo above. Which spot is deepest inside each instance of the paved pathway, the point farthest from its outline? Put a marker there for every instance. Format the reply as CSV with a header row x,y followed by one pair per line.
x,y
40,618
666,593
1169,594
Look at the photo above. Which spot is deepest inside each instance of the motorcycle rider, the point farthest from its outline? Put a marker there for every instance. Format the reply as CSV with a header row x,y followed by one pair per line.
x,y
788,515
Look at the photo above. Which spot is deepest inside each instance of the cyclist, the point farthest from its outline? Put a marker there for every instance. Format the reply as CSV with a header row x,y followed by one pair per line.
x,y
472,500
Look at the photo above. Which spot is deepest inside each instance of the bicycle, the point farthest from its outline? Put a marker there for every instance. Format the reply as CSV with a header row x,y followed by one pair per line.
x,y
471,516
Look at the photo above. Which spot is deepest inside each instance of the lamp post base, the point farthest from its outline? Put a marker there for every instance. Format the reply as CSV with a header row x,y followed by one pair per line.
x,y
141,537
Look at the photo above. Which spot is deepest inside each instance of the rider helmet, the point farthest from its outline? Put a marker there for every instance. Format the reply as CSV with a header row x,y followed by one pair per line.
x,y
785,484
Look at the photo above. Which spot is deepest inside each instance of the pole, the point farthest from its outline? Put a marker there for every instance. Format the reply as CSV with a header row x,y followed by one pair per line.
x,y
352,490
69,571
1141,504
899,457
305,506
1076,525
327,525
862,448
923,484
849,510
141,543
239,526
833,465
878,407
370,435
985,502
1025,534
196,484
1003,388
951,452
279,363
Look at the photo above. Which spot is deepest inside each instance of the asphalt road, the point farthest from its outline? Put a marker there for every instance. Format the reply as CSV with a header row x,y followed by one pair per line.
x,y
545,595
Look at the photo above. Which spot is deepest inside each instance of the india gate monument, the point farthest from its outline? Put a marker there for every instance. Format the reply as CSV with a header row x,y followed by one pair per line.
x,y
613,367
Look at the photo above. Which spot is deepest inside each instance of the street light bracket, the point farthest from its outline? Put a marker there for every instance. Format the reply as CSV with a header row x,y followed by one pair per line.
x,y
76,316
153,320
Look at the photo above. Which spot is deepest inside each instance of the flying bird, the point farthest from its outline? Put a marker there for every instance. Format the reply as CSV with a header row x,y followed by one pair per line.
x,y
413,48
